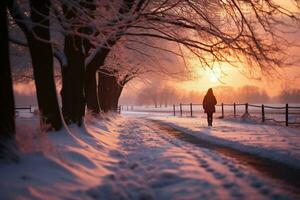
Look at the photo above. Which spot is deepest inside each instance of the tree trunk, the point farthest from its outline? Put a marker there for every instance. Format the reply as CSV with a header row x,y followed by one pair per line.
x,y
91,91
42,62
109,92
72,93
91,82
73,75
7,107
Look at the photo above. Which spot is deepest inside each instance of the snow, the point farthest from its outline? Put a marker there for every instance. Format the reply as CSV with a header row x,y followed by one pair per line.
x,y
278,143
274,113
126,157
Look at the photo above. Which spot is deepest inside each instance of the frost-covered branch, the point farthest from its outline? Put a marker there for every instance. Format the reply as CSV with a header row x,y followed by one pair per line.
x,y
59,55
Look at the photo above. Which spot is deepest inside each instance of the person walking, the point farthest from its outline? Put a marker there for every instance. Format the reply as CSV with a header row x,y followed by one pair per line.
x,y
209,103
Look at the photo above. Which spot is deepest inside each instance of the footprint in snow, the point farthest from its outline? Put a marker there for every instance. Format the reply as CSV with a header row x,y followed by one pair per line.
x,y
234,170
204,165
236,193
229,185
256,184
279,197
145,196
219,175
111,177
165,179
150,168
133,166
265,191
209,169
239,174
122,163
117,154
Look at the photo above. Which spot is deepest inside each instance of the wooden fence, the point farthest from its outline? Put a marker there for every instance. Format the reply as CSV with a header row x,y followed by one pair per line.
x,y
24,107
278,114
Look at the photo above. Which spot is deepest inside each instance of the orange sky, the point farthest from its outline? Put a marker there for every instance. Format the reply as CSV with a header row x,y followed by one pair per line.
x,y
230,76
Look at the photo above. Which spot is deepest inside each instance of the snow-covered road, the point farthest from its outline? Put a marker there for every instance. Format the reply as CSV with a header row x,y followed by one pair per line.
x,y
274,142
154,165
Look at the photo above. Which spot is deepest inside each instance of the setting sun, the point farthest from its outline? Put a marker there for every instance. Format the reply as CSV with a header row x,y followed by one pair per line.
x,y
215,75
213,78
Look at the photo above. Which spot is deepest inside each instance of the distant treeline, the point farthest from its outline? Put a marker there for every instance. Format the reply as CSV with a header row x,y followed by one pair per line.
x,y
166,95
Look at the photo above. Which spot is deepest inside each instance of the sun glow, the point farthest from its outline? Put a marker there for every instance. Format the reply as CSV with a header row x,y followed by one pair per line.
x,y
213,78
218,75
214,75
223,75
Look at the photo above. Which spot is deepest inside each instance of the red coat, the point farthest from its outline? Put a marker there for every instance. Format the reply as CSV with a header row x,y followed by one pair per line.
x,y
209,103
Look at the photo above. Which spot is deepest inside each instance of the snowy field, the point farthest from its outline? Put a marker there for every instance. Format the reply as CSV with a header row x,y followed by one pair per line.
x,y
130,157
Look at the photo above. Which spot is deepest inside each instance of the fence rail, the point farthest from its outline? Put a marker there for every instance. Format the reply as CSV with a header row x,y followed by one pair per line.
x,y
287,114
24,107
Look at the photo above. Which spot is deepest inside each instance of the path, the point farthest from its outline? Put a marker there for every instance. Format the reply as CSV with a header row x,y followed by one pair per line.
x,y
274,142
155,165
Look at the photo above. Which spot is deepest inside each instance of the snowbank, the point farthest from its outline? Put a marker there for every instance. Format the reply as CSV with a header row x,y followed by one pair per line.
x,y
58,165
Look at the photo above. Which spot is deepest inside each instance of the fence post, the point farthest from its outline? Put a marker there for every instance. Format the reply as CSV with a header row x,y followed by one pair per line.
x,y
263,113
234,109
174,111
246,108
180,109
287,114
222,110
191,108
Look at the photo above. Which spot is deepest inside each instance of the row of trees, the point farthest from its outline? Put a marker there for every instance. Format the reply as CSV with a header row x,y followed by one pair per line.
x,y
162,96
290,96
168,95
96,33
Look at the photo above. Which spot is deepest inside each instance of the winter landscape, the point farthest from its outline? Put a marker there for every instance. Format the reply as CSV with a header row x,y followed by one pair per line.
x,y
149,99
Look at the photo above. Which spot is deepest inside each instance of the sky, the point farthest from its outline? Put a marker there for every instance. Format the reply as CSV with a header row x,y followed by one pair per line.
x,y
283,78
287,78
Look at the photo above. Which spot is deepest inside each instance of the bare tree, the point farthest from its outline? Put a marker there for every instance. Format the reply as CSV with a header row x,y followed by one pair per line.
x,y
37,32
235,32
289,96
